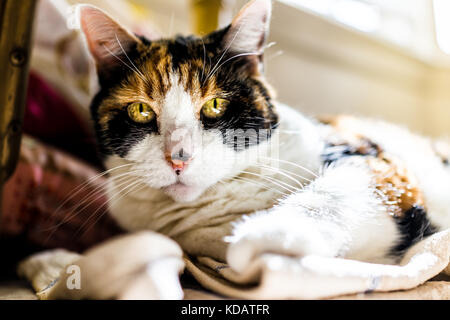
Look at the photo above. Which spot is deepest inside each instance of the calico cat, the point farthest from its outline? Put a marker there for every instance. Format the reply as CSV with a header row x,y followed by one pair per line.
x,y
193,139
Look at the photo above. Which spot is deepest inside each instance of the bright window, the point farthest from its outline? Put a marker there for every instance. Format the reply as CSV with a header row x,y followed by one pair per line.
x,y
442,20
406,23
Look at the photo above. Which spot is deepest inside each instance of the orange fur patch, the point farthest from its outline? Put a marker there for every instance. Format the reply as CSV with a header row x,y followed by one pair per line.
x,y
397,187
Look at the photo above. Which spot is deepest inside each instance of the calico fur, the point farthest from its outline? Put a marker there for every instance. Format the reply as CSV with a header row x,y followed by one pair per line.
x,y
342,187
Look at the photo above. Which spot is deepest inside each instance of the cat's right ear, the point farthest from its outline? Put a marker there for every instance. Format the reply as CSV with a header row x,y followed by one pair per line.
x,y
108,42
249,30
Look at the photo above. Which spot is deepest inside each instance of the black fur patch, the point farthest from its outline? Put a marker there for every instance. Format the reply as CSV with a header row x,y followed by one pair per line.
x,y
122,133
109,76
334,152
414,226
244,124
413,223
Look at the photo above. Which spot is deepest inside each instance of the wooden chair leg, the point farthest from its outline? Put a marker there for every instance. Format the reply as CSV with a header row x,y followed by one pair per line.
x,y
16,22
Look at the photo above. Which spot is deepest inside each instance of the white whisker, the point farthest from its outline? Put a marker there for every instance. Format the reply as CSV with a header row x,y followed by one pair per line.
x,y
110,200
225,52
280,184
236,56
125,64
126,55
293,164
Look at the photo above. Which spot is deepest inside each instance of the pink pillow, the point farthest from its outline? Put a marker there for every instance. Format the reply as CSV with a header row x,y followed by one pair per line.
x,y
54,121
44,180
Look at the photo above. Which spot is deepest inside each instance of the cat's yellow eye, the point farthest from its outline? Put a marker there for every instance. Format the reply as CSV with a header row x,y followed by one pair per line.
x,y
141,112
215,108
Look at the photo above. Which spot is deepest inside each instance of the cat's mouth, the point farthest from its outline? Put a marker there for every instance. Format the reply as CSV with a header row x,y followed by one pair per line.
x,y
181,192
177,185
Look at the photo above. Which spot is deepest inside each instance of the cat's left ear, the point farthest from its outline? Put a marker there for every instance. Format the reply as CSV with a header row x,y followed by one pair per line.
x,y
250,28
108,42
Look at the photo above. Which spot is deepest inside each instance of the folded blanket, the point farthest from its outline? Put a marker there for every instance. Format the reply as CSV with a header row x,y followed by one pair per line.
x,y
142,266
146,265
273,276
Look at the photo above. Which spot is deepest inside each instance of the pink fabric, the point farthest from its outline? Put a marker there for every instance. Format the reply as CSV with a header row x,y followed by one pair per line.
x,y
46,177
44,180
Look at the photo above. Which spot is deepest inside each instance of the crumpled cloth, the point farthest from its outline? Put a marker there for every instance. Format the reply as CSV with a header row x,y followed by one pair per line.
x,y
272,276
124,268
145,265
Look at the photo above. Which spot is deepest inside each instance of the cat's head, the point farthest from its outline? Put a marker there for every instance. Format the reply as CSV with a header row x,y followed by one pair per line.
x,y
185,112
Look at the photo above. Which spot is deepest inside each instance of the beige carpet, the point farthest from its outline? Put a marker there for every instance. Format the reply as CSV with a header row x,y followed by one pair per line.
x,y
429,291
16,291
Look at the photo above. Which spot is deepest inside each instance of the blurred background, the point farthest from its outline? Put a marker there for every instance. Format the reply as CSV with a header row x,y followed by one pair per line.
x,y
381,58
388,59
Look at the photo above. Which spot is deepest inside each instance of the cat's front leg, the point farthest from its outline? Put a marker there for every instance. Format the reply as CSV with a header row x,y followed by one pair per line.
x,y
338,215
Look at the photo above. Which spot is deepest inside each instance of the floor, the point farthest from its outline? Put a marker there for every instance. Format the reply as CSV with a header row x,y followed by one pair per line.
x,y
16,291
438,288
20,291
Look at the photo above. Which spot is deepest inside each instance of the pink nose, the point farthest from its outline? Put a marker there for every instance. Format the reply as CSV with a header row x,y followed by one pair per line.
x,y
179,160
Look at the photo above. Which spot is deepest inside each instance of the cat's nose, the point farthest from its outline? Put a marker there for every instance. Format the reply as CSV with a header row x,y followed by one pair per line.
x,y
179,160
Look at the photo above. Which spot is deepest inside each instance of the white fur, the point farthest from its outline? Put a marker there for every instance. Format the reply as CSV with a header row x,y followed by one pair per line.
x,y
420,158
337,215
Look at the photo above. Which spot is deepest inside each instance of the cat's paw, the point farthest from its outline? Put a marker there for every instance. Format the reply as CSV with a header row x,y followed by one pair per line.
x,y
138,266
284,234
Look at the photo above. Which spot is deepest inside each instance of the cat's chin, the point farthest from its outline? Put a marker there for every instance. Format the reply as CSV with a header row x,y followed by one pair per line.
x,y
180,192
